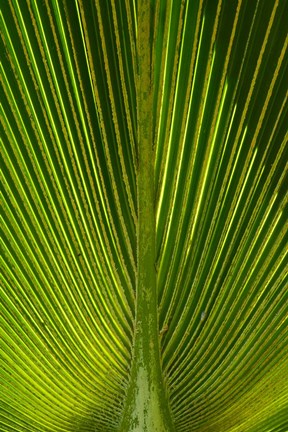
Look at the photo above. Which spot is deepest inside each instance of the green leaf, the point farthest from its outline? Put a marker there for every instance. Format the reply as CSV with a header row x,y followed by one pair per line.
x,y
144,178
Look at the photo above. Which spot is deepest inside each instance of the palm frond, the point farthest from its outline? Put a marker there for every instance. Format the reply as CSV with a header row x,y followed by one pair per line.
x,y
73,193
221,170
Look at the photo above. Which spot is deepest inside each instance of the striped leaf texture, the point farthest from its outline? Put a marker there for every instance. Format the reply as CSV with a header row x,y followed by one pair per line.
x,y
70,153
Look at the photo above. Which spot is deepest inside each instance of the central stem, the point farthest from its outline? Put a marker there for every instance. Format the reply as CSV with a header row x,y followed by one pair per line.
x,y
147,408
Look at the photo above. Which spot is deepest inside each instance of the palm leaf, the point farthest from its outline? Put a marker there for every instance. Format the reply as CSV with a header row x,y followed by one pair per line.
x,y
144,216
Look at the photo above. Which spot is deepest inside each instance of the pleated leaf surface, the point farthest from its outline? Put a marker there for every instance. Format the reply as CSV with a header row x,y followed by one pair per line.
x,y
69,182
